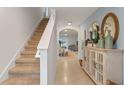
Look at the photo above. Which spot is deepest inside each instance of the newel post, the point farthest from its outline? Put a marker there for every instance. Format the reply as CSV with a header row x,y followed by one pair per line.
x,y
43,67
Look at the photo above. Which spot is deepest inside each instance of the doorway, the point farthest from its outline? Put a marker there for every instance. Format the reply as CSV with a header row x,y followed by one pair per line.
x,y
68,43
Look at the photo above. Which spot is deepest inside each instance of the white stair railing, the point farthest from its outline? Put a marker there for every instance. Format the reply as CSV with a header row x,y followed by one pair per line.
x,y
47,51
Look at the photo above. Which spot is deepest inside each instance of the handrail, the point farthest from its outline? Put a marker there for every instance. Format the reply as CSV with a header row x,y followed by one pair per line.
x,y
45,39
45,50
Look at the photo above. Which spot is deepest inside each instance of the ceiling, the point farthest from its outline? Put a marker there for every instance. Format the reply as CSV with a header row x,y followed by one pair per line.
x,y
75,15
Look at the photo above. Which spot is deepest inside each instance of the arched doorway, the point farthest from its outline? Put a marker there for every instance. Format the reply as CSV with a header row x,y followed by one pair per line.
x,y
68,43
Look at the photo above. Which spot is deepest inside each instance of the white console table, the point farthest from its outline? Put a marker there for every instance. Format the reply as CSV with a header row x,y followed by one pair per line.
x,y
103,64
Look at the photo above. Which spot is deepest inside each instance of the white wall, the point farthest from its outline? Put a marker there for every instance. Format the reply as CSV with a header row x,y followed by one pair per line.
x,y
52,57
16,24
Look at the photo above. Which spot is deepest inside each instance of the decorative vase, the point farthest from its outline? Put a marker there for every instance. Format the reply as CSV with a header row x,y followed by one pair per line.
x,y
101,42
108,40
95,37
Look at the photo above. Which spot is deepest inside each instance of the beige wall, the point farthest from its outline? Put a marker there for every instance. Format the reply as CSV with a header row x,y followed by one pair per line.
x,y
16,24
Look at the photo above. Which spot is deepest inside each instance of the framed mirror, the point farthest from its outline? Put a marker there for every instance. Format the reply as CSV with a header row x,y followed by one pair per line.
x,y
111,22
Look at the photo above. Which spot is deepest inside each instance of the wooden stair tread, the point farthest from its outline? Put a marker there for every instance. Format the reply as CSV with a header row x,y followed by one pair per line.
x,y
35,40
28,52
35,36
32,69
30,49
22,81
32,46
37,32
27,61
33,43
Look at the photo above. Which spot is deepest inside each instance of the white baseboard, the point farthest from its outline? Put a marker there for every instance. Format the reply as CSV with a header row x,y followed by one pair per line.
x,y
4,73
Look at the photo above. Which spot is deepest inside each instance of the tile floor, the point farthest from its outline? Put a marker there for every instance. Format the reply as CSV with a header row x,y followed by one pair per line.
x,y
69,72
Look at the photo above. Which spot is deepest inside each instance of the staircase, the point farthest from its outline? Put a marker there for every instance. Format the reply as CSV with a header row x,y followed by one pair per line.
x,y
27,67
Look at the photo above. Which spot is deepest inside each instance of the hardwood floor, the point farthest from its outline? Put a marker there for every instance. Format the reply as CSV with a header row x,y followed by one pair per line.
x,y
69,72
27,67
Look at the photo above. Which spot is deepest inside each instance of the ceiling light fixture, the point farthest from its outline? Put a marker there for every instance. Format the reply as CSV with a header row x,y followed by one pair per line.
x,y
69,23
66,30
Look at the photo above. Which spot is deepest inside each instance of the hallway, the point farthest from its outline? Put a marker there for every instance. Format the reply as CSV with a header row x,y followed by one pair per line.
x,y
69,72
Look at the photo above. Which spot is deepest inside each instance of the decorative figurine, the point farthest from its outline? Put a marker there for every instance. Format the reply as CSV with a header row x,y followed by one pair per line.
x,y
101,41
108,37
